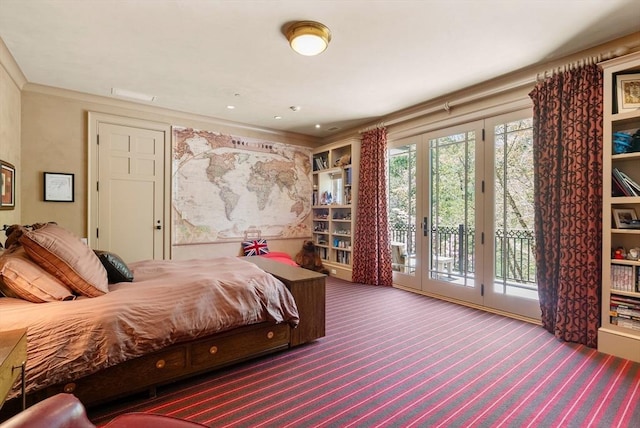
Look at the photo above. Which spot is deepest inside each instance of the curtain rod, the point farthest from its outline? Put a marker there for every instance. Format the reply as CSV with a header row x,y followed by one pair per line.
x,y
588,60
372,127
448,105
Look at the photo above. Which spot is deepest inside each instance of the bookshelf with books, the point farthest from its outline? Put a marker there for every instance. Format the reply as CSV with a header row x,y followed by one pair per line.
x,y
619,333
334,199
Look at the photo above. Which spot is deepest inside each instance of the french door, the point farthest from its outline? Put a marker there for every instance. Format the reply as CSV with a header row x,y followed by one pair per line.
x,y
461,213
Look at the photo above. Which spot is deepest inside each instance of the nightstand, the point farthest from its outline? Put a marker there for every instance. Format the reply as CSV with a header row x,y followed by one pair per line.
x,y
13,357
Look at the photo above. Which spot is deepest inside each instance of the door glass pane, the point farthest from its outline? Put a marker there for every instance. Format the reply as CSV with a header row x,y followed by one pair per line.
x,y
452,208
402,208
515,268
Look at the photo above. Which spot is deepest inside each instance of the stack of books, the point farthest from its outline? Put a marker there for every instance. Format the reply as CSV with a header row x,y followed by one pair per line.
x,y
622,278
623,185
625,311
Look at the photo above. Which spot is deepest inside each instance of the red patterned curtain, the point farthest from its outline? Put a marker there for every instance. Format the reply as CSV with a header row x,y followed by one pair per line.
x,y
567,134
372,255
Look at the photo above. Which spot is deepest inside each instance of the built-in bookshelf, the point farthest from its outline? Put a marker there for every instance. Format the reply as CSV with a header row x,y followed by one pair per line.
x,y
619,333
335,169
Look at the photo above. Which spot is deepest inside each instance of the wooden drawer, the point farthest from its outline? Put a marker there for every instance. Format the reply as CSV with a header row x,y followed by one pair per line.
x,y
133,375
235,347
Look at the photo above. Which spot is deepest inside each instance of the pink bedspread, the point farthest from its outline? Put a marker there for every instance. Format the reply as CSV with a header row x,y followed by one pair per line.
x,y
168,302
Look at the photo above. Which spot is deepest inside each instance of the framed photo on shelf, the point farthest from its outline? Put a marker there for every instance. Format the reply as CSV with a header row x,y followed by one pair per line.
x,y
628,92
625,218
7,186
58,187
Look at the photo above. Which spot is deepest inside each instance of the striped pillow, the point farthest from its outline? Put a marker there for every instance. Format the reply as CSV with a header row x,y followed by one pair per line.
x,y
22,278
65,256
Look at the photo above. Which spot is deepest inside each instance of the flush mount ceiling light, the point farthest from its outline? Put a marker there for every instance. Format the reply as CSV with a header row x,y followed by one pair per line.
x,y
308,37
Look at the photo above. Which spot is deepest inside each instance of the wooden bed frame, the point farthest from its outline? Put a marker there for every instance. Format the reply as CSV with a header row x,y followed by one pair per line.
x,y
186,359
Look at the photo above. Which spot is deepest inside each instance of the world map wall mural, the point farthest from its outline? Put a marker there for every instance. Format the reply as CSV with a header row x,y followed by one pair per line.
x,y
225,187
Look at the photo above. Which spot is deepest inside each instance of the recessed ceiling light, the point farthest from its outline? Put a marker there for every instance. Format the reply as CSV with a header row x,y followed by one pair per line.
x,y
317,125
295,108
230,107
277,117
124,93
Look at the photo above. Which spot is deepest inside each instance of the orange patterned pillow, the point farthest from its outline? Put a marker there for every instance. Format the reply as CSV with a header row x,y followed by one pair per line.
x,y
64,255
24,279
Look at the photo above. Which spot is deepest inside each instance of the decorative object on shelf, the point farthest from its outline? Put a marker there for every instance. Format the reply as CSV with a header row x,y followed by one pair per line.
x,y
635,142
633,254
628,91
619,254
625,218
58,187
7,186
622,142
343,161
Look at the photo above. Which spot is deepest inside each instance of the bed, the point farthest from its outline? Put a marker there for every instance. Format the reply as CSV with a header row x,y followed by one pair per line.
x,y
175,319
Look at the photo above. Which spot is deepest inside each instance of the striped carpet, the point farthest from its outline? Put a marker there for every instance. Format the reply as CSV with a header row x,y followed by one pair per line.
x,y
392,358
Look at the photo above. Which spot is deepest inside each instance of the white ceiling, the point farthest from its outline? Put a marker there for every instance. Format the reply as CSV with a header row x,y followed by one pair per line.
x,y
199,56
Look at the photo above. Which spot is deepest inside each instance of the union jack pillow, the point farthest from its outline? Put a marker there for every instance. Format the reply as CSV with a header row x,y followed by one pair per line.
x,y
257,247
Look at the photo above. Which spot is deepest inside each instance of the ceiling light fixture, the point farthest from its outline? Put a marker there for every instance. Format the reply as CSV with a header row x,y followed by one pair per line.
x,y
308,37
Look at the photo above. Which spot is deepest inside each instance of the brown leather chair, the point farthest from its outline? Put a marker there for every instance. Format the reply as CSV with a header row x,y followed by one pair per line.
x,y
66,411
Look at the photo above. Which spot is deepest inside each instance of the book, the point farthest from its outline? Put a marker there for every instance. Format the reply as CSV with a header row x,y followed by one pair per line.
x,y
622,322
635,187
622,277
621,184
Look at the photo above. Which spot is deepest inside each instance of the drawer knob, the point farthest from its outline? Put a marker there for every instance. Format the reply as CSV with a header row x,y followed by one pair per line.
x,y
270,335
213,350
69,388
160,364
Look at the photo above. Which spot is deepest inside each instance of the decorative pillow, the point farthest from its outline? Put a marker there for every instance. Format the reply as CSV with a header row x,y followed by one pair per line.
x,y
24,279
64,255
255,247
117,269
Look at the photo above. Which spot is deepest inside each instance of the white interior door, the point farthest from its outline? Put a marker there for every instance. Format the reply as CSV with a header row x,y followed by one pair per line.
x,y
129,199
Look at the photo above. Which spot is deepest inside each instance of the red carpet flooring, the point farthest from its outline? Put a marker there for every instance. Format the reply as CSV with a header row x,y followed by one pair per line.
x,y
397,359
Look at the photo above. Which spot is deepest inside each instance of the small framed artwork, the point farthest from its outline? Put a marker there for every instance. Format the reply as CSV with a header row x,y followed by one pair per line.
x,y
628,92
7,186
625,218
58,187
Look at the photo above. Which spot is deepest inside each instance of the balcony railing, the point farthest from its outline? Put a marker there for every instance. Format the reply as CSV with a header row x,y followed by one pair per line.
x,y
514,250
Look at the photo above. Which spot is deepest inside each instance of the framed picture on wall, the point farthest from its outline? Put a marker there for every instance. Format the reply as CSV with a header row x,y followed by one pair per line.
x,y
7,186
628,92
58,187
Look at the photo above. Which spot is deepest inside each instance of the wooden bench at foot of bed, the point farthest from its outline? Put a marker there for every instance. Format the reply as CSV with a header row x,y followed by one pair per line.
x,y
186,359
308,290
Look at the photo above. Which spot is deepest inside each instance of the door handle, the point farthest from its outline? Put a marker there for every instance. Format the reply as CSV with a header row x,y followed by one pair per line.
x,y
425,226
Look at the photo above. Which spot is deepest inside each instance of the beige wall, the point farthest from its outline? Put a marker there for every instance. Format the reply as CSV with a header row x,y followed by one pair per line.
x,y
11,79
54,139
46,130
